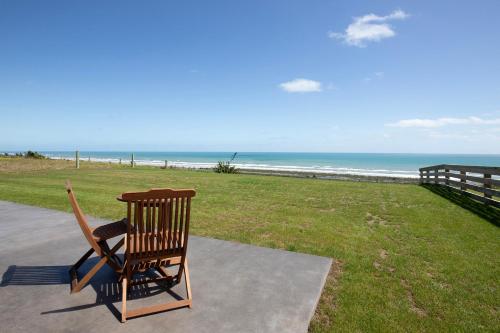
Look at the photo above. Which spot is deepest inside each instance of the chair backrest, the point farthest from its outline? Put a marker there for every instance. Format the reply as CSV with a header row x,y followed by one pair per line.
x,y
82,220
157,223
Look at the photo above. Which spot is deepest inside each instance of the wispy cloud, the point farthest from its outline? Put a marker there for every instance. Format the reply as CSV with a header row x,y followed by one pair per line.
x,y
301,86
369,28
440,122
376,75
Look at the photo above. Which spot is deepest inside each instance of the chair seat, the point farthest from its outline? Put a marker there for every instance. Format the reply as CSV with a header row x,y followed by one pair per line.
x,y
110,230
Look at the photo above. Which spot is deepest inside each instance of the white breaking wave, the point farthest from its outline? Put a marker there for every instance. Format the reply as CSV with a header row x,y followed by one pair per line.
x,y
324,170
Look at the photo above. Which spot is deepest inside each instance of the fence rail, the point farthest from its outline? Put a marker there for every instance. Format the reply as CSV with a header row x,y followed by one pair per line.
x,y
479,182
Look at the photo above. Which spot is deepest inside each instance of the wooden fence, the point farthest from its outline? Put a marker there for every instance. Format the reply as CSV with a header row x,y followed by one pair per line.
x,y
479,182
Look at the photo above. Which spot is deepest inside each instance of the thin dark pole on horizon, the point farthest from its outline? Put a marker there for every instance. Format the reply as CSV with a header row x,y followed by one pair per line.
x,y
77,159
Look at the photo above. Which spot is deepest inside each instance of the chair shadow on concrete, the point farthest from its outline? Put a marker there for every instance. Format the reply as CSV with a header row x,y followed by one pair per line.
x,y
35,275
104,283
489,213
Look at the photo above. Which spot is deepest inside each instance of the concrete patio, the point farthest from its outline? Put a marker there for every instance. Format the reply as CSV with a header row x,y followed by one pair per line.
x,y
236,287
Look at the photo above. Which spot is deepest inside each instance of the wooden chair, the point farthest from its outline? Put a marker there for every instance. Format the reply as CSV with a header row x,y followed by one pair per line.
x,y
157,238
97,238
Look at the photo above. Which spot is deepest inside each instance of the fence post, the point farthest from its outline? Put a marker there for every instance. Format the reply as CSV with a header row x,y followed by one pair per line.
x,y
77,159
427,174
166,163
120,161
487,184
463,180
421,177
436,176
447,178
132,160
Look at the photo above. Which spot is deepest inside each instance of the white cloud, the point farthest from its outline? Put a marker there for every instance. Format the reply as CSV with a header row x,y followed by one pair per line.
x,y
376,75
440,122
369,28
301,85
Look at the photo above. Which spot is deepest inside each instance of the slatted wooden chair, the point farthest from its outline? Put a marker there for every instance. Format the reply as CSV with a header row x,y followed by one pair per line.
x,y
97,238
157,238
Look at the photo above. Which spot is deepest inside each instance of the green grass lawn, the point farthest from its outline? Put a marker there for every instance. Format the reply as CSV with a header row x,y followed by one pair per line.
x,y
408,259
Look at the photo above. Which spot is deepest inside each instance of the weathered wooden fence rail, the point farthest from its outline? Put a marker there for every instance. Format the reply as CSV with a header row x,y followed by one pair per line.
x,y
479,182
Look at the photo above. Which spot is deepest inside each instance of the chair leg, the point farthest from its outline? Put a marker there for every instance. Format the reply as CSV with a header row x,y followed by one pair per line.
x,y
73,272
82,259
76,285
124,299
129,278
114,261
188,283
159,307
181,270
165,275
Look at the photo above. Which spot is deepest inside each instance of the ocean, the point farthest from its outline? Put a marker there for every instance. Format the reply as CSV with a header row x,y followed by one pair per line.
x,y
365,164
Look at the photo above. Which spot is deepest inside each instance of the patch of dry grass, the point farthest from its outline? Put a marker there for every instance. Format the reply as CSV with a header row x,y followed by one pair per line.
x,y
22,165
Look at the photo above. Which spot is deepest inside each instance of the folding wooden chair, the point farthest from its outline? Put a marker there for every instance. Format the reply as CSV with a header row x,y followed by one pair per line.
x,y
97,238
157,238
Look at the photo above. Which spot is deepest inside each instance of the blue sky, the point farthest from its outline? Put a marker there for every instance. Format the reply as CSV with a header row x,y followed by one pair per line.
x,y
331,76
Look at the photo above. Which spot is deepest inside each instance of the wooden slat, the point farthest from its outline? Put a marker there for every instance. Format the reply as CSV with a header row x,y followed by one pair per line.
x,y
181,226
129,222
186,224
182,222
165,223
81,219
176,224
141,227
476,169
477,188
139,282
159,227
439,167
156,194
134,232
474,196
466,168
170,222
465,185
157,308
152,226
477,179
148,228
